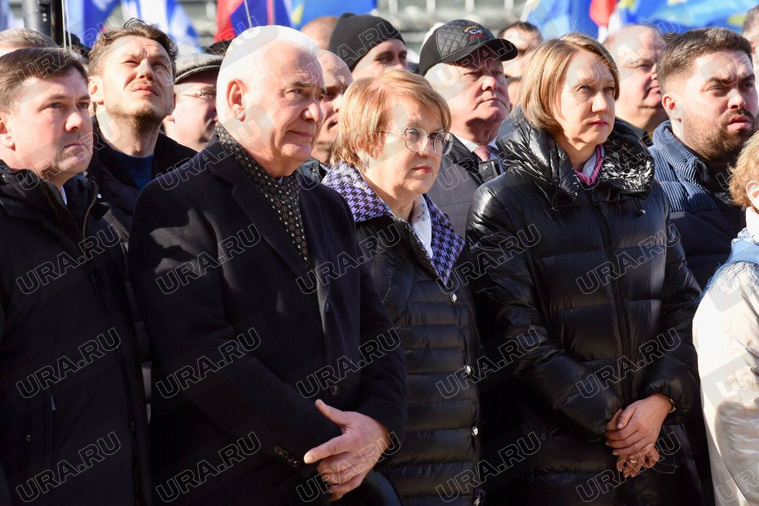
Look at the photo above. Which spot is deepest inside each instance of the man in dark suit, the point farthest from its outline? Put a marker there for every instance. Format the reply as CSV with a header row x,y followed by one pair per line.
x,y
257,303
462,60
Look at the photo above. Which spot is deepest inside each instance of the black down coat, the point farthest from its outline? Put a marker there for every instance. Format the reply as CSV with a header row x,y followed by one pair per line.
x,y
437,329
73,428
587,302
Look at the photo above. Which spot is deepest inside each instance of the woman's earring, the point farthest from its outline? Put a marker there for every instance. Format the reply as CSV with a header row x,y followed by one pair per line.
x,y
240,115
364,166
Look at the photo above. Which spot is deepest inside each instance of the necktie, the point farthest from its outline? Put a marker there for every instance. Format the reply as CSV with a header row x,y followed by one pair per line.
x,y
483,152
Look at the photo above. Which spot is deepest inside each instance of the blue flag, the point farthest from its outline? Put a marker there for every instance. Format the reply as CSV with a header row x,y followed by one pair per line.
x,y
304,11
685,15
169,17
555,18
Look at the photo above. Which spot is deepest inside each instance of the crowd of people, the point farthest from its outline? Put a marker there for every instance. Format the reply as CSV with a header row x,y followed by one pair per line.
x,y
299,268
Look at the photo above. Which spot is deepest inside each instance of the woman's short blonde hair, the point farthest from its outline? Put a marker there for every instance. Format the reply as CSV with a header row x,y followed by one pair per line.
x,y
544,76
746,169
366,110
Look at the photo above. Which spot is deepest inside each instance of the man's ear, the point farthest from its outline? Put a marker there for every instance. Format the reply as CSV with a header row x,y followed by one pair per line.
x,y
95,88
672,106
235,97
6,132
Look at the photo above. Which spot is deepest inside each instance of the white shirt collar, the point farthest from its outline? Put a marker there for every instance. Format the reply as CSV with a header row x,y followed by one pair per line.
x,y
471,145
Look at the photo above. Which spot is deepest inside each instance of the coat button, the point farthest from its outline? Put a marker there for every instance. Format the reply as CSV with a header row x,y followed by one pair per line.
x,y
327,308
28,438
334,390
475,431
468,370
279,451
454,298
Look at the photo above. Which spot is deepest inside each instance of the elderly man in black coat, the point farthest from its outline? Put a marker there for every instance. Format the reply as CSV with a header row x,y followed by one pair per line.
x,y
73,428
277,377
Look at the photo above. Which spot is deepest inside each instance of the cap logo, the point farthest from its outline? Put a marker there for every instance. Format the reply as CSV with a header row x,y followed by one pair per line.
x,y
474,32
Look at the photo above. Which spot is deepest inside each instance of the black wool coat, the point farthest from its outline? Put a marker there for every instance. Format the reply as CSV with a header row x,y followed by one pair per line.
x,y
245,337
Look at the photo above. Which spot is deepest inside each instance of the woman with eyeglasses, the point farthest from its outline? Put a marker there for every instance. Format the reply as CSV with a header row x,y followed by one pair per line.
x,y
588,300
392,136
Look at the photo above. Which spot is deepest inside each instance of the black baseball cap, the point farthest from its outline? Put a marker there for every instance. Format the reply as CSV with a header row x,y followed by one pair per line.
x,y
455,40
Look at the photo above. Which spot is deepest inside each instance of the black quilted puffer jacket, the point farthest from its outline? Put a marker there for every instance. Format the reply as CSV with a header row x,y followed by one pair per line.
x,y
587,303
436,464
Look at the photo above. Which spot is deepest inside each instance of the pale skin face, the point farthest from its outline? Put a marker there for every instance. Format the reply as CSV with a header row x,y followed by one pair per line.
x,y
752,190
388,54
279,110
337,78
713,109
475,90
135,83
525,42
49,131
636,53
397,174
585,107
194,118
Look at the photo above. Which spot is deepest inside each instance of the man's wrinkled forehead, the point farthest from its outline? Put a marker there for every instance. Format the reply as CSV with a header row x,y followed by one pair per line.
x,y
726,67
305,70
640,45
39,90
135,45
522,39
333,67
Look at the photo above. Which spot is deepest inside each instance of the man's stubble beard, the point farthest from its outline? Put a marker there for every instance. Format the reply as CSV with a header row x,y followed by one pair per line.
x,y
717,145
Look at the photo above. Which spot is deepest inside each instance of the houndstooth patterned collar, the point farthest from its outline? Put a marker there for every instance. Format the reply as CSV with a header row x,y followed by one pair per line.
x,y
365,205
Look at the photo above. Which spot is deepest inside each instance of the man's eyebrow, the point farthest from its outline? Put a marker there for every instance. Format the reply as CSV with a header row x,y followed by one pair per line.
x,y
61,96
749,76
141,55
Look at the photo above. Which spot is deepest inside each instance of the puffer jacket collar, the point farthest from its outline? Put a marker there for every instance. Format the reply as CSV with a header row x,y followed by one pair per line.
x,y
365,205
627,167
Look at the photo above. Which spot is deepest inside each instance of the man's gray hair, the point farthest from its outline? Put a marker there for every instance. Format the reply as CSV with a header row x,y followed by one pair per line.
x,y
245,57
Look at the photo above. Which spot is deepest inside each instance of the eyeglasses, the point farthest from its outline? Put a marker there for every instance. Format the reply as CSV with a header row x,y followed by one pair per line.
x,y
206,95
418,138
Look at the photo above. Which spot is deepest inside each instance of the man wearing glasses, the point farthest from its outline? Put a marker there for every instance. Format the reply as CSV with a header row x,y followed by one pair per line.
x,y
636,50
194,118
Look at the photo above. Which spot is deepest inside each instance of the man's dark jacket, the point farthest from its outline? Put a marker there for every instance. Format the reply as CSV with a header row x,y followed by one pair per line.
x,y
119,192
245,337
117,187
461,173
73,428
700,204
584,288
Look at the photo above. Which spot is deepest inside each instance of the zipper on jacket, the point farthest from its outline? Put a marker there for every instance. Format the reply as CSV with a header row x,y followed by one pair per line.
x,y
624,325
122,365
